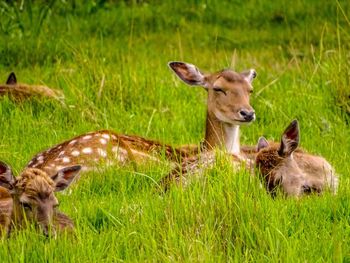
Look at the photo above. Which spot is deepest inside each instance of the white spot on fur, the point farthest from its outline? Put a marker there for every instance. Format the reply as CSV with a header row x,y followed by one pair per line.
x,y
114,137
40,158
72,142
106,136
75,153
66,160
103,141
61,153
59,147
87,150
101,152
87,137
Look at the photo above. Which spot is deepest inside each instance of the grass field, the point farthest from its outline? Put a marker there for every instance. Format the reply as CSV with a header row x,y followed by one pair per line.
x,y
301,52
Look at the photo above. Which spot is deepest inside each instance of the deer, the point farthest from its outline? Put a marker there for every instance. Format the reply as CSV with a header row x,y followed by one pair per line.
x,y
228,104
98,149
30,198
19,91
228,108
289,168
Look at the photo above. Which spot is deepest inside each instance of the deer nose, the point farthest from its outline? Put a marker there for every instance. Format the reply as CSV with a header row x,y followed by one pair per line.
x,y
247,115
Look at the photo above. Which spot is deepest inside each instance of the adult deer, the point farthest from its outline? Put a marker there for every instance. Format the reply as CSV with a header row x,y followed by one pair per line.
x,y
287,167
30,198
228,104
105,147
228,108
19,91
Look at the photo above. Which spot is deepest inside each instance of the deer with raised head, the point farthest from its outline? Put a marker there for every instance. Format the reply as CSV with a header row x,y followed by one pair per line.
x,y
283,165
228,108
19,91
30,198
228,104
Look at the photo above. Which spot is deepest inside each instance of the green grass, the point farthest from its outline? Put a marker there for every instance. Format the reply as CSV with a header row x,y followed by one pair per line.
x,y
301,53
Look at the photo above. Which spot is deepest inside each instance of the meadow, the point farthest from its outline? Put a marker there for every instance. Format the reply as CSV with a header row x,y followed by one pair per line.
x,y
110,60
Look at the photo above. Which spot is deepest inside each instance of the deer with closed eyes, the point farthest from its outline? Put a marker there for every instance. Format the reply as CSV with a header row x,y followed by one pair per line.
x,y
228,107
284,166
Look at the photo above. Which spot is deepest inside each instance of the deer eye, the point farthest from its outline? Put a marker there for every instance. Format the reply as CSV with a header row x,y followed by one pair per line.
x,y
216,89
26,206
251,91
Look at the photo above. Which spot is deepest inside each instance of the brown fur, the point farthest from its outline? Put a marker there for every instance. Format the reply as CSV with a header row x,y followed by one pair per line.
x,y
292,170
228,99
20,92
6,207
117,149
32,199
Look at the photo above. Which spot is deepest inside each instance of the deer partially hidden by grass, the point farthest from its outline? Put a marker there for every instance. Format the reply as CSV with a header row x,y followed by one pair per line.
x,y
228,108
30,198
19,91
284,166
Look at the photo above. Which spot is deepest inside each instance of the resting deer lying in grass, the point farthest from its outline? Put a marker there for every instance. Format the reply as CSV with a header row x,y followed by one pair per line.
x,y
228,107
294,171
105,147
30,198
19,91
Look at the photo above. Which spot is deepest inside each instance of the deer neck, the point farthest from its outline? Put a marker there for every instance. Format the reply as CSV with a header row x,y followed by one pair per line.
x,y
221,134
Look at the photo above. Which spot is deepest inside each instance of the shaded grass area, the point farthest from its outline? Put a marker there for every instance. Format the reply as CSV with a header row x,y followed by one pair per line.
x,y
110,61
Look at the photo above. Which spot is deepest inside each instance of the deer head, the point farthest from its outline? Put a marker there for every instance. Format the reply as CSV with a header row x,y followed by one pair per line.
x,y
228,102
33,196
296,172
19,91
277,165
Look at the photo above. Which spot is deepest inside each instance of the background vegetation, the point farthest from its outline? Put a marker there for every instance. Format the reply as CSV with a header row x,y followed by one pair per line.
x,y
109,58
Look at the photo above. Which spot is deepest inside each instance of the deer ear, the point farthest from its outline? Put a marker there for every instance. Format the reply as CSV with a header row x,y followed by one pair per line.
x,y
11,80
249,75
7,179
290,139
65,177
188,73
262,143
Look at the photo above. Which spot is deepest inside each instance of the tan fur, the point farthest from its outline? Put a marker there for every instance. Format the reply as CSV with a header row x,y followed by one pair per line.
x,y
6,207
228,99
105,147
296,174
20,92
35,189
